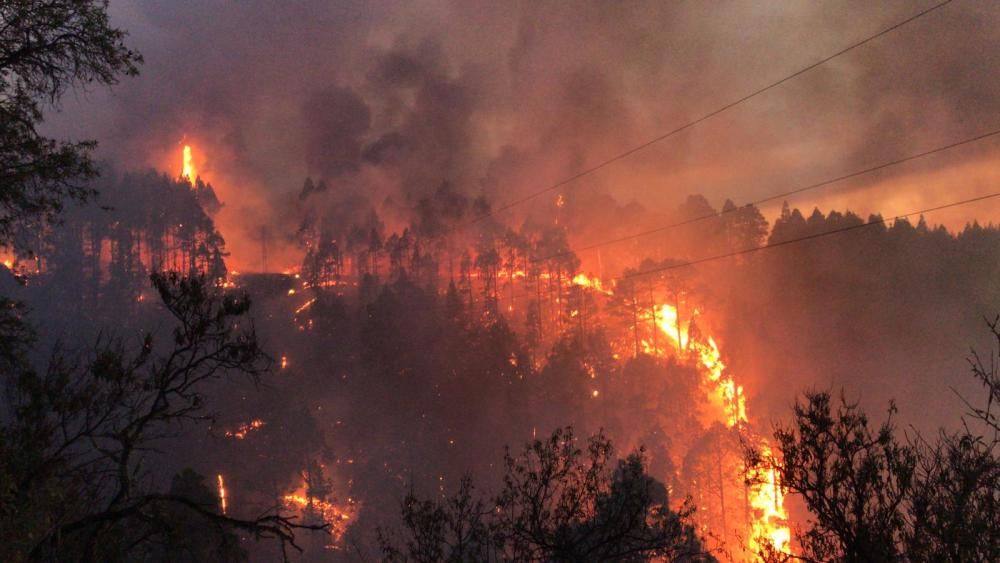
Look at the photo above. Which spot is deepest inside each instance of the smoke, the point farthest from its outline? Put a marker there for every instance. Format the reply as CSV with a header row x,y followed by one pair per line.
x,y
385,102
334,124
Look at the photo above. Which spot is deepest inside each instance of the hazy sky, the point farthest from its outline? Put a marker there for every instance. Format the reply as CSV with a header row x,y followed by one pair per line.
x,y
387,100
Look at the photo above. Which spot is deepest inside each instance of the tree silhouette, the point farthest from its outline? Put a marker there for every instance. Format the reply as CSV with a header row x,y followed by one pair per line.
x,y
558,502
46,48
76,450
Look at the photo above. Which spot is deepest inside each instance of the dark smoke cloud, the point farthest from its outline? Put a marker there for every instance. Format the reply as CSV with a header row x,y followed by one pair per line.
x,y
335,122
385,102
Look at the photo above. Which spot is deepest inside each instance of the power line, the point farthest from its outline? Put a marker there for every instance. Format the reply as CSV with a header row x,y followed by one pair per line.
x,y
880,221
462,303
776,196
705,117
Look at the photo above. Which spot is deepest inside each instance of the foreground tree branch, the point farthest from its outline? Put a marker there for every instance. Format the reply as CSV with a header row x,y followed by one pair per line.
x,y
84,428
558,502
46,47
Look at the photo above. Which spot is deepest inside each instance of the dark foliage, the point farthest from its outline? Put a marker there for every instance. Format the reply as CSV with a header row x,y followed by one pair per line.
x,y
873,496
557,503
77,450
46,47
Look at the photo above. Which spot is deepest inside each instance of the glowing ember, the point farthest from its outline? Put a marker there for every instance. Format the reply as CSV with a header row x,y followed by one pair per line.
x,y
284,362
305,306
188,171
222,493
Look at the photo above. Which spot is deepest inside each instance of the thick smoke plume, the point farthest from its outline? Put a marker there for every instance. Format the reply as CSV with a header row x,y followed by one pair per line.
x,y
384,102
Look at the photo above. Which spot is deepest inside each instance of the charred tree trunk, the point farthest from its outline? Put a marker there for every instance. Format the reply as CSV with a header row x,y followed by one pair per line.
x,y
635,320
652,311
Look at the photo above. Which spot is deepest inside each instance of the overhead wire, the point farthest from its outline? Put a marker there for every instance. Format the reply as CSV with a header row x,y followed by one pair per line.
x,y
855,227
771,246
774,197
688,125
722,109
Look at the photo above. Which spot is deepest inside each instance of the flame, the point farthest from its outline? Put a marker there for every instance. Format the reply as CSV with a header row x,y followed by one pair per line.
x,y
188,171
767,500
516,274
222,493
338,516
331,513
769,520
583,280
305,306
245,429
726,395
667,320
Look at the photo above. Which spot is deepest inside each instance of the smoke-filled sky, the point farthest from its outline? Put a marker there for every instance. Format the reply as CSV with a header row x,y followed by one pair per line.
x,y
386,100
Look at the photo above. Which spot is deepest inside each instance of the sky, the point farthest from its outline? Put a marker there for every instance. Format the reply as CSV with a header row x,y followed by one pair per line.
x,y
384,101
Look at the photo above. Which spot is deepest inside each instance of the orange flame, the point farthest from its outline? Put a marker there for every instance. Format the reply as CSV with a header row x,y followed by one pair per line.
x,y
188,171
583,280
338,516
767,500
769,522
222,493
305,306
245,429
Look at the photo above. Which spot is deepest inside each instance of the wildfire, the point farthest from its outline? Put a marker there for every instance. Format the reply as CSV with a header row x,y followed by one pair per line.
x,y
766,524
516,274
583,280
244,429
336,515
329,511
768,501
305,306
188,171
222,493
727,396
769,521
